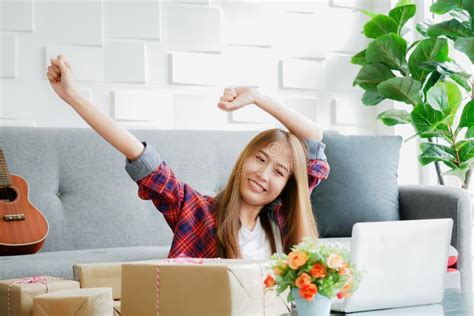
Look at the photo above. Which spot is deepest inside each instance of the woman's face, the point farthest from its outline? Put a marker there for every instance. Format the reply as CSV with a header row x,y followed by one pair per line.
x,y
266,173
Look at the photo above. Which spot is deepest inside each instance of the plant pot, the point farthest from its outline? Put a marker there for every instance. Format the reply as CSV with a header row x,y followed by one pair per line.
x,y
320,305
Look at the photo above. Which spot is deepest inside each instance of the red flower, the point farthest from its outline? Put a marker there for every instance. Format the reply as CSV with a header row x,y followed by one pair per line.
x,y
308,291
269,281
318,271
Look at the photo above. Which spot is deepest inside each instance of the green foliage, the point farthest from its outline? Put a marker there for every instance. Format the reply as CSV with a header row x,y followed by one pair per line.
x,y
425,77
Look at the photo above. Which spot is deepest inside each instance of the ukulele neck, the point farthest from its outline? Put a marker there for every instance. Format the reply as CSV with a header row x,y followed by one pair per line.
x,y
5,178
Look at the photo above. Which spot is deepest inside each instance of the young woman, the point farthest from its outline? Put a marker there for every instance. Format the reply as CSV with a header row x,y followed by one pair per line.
x,y
265,206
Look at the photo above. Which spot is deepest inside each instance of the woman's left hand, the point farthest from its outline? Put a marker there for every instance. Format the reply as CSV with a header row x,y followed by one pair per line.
x,y
235,98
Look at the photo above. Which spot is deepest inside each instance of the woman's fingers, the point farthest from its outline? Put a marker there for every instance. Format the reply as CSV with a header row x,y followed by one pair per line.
x,y
226,98
53,73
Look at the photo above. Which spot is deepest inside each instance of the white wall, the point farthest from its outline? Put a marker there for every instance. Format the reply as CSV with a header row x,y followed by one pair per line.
x,y
164,64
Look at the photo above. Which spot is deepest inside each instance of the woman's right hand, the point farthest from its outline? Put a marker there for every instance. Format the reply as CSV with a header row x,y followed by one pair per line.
x,y
60,78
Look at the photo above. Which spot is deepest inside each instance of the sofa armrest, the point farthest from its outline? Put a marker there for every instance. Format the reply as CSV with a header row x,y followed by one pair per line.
x,y
428,201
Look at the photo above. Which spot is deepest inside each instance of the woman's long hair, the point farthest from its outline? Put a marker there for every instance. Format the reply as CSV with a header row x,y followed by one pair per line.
x,y
295,198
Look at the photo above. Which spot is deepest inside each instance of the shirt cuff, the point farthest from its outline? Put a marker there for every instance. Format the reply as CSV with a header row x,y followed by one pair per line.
x,y
315,149
145,164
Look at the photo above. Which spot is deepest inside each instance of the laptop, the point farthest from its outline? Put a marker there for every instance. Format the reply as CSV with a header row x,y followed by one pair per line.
x,y
403,264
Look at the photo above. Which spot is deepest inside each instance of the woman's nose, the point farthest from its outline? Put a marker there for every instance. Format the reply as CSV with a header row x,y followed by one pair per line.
x,y
263,172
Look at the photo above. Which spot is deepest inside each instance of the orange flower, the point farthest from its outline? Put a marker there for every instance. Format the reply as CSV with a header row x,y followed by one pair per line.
x,y
318,271
269,281
303,279
308,291
296,259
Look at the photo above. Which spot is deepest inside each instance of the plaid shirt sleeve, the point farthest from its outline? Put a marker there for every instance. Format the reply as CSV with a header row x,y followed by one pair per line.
x,y
157,182
317,166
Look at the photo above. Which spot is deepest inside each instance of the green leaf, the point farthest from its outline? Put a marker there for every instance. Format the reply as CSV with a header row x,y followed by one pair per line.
x,y
458,172
467,116
451,28
444,6
426,119
445,68
470,132
369,76
466,45
463,82
466,150
435,152
368,13
422,27
445,97
380,25
461,16
372,98
389,49
404,89
468,5
359,58
430,49
401,14
431,80
394,117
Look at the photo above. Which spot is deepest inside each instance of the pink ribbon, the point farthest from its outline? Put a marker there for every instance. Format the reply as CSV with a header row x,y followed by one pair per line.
x,y
34,279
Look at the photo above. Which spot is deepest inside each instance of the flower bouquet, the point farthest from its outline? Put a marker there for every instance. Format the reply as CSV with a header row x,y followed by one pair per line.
x,y
315,273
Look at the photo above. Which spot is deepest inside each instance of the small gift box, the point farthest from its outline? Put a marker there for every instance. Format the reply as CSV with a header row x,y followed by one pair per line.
x,y
76,302
107,274
16,295
197,287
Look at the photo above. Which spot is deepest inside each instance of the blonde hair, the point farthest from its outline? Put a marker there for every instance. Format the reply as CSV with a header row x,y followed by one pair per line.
x,y
295,198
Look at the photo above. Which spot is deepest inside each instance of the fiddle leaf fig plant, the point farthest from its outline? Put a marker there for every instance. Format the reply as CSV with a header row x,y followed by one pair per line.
x,y
426,78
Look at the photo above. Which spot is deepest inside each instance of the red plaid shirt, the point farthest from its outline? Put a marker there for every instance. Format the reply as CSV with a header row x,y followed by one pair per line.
x,y
190,214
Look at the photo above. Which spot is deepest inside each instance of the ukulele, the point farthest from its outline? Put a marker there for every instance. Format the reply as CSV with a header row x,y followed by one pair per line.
x,y
23,228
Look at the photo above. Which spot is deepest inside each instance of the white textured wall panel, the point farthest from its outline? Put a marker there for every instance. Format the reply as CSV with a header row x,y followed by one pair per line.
x,y
355,4
247,24
156,63
8,56
308,106
303,74
340,73
144,106
190,111
69,22
344,30
17,15
301,35
193,28
132,19
196,68
247,66
86,62
124,61
350,111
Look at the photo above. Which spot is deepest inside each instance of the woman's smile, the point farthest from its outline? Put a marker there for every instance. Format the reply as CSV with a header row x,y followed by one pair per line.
x,y
255,186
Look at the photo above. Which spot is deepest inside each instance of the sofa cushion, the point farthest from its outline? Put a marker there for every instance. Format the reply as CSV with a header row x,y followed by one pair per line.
x,y
59,263
362,184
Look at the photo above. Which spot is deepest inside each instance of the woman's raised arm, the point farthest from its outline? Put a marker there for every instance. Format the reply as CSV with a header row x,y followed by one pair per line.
x,y
60,78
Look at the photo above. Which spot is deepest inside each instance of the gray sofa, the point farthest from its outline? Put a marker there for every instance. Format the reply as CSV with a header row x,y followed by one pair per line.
x,y
95,215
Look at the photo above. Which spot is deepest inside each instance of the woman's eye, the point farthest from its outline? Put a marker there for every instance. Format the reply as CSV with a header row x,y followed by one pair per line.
x,y
260,159
280,173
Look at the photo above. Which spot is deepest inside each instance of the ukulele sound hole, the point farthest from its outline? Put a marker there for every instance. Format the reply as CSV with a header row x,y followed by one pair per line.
x,y
7,194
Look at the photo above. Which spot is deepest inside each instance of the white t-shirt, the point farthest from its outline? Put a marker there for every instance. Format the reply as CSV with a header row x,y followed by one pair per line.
x,y
254,244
